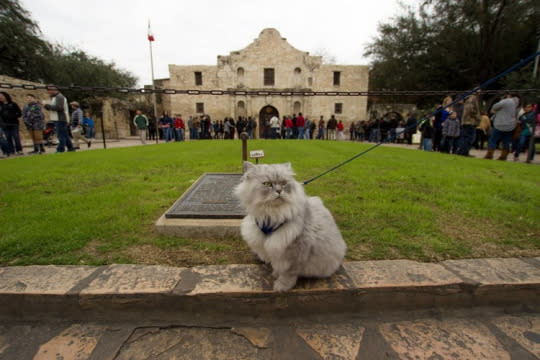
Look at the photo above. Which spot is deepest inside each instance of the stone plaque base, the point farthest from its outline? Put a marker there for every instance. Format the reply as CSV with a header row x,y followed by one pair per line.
x,y
208,209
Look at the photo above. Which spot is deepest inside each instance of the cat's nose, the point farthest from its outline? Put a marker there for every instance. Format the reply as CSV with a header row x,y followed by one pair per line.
x,y
278,191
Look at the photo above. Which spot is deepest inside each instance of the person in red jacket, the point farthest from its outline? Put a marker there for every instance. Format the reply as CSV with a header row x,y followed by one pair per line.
x,y
300,123
179,127
289,126
340,128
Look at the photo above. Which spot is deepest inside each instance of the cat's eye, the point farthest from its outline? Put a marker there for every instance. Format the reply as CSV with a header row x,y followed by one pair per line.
x,y
267,184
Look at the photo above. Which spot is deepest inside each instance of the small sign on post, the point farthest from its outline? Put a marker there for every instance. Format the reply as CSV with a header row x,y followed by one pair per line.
x,y
256,154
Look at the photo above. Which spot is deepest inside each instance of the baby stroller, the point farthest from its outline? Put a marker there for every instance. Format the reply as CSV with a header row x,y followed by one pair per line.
x,y
49,134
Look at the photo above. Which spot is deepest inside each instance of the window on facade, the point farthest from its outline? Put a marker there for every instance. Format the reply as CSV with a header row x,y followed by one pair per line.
x,y
199,108
297,71
198,78
297,107
337,78
240,76
269,77
338,108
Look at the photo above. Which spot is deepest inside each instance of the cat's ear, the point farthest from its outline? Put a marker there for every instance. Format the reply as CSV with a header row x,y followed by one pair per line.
x,y
288,166
248,166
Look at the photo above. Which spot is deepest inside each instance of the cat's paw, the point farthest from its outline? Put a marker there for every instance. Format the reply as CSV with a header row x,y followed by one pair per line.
x,y
284,283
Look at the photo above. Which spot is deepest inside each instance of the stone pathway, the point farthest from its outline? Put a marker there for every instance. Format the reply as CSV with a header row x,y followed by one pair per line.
x,y
481,333
456,309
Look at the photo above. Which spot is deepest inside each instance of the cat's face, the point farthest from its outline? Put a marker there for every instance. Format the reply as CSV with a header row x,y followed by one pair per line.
x,y
268,185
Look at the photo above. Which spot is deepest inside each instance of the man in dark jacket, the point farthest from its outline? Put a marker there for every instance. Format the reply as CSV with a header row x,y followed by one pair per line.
x,y
9,122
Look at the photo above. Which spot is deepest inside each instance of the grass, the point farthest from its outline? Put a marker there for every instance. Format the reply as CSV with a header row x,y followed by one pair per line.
x,y
99,207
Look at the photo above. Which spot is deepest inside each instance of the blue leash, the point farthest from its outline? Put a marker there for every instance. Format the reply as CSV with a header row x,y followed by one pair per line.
x,y
490,81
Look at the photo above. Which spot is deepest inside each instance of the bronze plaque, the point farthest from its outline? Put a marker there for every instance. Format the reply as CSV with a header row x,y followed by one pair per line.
x,y
211,197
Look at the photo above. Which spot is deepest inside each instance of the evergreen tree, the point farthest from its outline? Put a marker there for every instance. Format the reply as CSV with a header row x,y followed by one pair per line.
x,y
452,44
22,51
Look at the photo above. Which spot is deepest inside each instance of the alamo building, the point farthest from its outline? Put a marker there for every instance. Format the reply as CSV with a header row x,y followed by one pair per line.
x,y
269,63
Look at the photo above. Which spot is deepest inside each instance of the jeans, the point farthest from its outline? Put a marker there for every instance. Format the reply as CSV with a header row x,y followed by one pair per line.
x,y
63,137
306,135
320,134
532,146
468,133
427,144
167,134
13,138
90,132
496,136
289,133
3,143
520,144
275,133
180,134
300,132
195,134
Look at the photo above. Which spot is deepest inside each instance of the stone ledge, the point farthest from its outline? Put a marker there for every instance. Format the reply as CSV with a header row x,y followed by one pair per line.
x,y
125,291
199,228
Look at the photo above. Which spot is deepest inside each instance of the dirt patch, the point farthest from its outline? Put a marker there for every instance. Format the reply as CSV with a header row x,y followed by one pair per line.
x,y
186,256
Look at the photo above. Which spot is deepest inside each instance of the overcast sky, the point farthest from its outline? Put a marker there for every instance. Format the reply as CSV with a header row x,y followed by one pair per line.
x,y
195,32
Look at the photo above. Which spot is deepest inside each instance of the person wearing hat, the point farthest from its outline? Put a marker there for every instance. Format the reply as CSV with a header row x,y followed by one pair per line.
x,y
76,125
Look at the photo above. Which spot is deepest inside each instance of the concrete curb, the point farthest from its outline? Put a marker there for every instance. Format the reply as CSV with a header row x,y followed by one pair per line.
x,y
161,292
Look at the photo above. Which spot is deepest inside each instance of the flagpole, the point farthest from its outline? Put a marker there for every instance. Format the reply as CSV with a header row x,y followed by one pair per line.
x,y
153,87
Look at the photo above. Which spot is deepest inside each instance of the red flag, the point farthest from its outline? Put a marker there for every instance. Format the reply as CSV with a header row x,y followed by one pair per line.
x,y
150,35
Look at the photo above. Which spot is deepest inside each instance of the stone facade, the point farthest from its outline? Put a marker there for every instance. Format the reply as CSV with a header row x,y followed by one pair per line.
x,y
251,69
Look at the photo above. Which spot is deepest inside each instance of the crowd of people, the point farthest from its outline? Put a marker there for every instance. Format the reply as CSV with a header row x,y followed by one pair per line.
x,y
458,126
174,128
454,128
78,125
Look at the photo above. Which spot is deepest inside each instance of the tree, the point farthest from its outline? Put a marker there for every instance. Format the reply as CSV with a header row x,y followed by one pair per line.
x,y
452,44
22,51
85,71
24,55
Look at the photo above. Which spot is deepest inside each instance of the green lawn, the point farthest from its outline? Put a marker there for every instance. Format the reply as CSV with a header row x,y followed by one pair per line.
x,y
99,207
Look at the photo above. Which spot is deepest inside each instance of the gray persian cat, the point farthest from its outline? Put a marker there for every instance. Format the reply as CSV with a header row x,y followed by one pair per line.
x,y
292,232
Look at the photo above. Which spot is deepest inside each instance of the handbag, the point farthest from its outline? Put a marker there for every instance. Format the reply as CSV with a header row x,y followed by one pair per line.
x,y
517,132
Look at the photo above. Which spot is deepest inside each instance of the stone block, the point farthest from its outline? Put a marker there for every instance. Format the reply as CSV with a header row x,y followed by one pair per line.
x,y
42,280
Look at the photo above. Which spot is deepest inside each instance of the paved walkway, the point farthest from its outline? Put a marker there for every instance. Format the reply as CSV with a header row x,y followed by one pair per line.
x,y
463,309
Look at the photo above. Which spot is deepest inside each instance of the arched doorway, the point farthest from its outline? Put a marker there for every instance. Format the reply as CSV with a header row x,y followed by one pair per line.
x,y
265,115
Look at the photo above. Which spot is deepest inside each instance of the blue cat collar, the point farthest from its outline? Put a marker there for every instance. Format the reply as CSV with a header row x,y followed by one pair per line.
x,y
267,227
